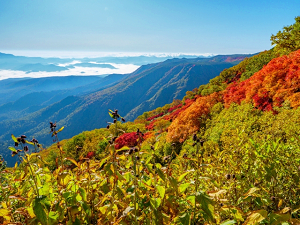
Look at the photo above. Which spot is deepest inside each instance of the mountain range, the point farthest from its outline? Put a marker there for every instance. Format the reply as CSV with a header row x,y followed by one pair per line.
x,y
81,103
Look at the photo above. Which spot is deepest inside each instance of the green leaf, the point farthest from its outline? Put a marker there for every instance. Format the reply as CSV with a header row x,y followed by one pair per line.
x,y
180,178
39,211
173,182
53,217
28,142
276,218
191,199
185,218
251,192
63,178
183,187
161,174
82,193
155,202
45,189
206,204
161,190
256,217
31,155
228,222
60,129
77,222
12,149
14,138
72,160
111,115
123,148
86,209
120,177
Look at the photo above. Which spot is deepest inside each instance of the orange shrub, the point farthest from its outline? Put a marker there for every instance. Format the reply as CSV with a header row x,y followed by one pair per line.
x,y
189,121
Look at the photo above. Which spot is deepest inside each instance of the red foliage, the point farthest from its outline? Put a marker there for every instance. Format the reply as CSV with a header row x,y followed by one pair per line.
x,y
235,92
150,126
174,107
278,81
127,139
174,114
263,102
90,155
154,117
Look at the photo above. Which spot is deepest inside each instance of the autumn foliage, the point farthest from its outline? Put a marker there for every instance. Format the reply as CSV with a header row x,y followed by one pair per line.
x,y
278,81
127,139
190,121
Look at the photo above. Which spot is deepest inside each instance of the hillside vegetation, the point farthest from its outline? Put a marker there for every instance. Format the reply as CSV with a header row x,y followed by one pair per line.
x,y
227,153
81,108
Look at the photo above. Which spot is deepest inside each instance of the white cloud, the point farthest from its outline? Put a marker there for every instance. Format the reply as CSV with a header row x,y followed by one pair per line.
x,y
70,63
77,70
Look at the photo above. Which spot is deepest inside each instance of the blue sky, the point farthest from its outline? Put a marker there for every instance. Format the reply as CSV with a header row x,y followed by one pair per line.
x,y
164,26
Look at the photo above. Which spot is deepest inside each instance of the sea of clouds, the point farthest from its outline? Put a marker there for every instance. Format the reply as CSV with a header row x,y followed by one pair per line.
x,y
75,58
77,70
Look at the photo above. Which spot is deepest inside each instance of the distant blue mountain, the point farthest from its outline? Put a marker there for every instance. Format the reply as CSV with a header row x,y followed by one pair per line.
x,y
38,67
92,65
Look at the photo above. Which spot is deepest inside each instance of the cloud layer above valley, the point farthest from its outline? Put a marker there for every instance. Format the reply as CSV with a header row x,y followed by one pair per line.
x,y
72,69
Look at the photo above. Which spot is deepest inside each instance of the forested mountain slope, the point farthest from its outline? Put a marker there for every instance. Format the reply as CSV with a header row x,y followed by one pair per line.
x,y
149,87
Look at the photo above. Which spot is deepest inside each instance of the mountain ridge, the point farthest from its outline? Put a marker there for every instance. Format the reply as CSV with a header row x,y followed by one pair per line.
x,y
150,82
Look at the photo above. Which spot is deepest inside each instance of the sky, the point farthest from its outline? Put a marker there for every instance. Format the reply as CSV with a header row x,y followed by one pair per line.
x,y
143,26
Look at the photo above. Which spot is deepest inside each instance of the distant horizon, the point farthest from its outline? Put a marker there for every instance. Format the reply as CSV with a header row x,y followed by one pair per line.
x,y
76,58
98,54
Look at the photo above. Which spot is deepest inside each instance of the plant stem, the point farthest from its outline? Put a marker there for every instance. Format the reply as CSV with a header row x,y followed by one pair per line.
x,y
135,187
33,177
